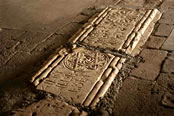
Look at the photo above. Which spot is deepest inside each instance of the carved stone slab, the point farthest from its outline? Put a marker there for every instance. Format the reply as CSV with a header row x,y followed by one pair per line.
x,y
76,75
115,28
46,108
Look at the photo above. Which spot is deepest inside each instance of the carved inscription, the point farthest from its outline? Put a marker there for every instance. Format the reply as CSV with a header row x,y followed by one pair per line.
x,y
64,82
114,28
76,75
85,61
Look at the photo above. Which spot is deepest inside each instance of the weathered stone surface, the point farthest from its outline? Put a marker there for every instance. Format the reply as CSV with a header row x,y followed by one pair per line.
x,y
139,3
136,98
76,75
164,30
168,100
8,42
169,64
167,17
167,4
166,81
70,29
151,66
155,42
114,28
143,40
30,40
42,15
47,47
10,34
46,107
18,64
169,43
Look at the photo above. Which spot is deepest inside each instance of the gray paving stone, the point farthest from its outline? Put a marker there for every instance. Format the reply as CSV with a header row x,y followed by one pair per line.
x,y
140,3
9,38
169,64
135,99
167,17
47,107
10,34
155,42
47,47
169,43
29,40
166,81
18,64
70,29
164,30
168,99
167,4
150,68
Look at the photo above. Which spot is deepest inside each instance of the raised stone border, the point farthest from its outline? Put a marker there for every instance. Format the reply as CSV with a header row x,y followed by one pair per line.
x,y
147,21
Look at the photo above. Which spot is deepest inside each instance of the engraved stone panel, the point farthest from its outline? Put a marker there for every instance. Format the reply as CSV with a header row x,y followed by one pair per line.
x,y
115,28
76,75
46,108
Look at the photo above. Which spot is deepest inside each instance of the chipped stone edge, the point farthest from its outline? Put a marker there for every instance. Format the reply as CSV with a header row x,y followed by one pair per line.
x,y
139,33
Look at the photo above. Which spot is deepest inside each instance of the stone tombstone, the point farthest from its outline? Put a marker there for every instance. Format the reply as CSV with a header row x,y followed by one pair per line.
x,y
76,75
115,28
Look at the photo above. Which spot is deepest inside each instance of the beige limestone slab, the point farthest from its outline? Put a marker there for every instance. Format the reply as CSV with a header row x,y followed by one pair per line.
x,y
76,75
47,107
114,29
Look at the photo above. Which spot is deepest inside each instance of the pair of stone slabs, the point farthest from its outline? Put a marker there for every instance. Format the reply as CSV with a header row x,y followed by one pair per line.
x,y
72,76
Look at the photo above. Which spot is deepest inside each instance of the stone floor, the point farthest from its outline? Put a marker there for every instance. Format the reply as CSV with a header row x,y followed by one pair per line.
x,y
30,31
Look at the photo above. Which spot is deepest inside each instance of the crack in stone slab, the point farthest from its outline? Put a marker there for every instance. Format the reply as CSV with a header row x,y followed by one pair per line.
x,y
106,50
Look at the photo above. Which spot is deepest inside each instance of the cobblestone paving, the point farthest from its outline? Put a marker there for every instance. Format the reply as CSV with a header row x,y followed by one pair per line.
x,y
147,89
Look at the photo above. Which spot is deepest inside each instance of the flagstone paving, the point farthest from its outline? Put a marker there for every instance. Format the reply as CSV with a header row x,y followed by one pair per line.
x,y
169,64
164,30
99,66
169,43
135,97
150,68
155,42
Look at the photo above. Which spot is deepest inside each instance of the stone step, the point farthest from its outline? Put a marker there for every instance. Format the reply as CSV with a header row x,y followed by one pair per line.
x,y
82,75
